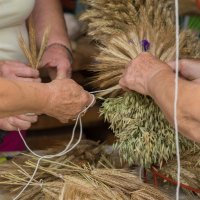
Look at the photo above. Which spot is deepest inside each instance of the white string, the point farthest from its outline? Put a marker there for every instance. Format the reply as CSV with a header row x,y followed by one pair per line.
x,y
140,173
65,151
106,90
176,102
68,148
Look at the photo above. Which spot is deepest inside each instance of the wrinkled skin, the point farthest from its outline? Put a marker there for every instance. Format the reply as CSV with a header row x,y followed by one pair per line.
x,y
56,61
15,70
140,71
189,69
23,122
66,103
149,76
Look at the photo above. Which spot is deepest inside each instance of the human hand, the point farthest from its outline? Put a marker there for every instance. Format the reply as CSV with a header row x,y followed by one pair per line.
x,y
23,122
18,71
66,100
140,71
188,69
56,60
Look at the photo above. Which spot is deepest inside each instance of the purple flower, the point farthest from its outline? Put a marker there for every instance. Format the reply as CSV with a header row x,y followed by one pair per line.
x,y
145,45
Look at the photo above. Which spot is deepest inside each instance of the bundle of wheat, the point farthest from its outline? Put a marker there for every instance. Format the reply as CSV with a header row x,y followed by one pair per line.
x,y
144,135
123,29
61,179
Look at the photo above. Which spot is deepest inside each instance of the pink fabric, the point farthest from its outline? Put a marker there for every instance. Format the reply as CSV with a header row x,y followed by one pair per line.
x,y
12,142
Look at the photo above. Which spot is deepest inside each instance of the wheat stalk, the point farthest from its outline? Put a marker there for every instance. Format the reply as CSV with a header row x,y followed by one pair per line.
x,y
33,55
67,180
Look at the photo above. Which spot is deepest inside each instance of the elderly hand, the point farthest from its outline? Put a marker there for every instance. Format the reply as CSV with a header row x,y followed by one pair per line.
x,y
18,71
188,69
140,71
56,60
66,100
23,122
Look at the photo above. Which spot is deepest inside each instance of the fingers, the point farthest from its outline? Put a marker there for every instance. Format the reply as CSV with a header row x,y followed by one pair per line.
x,y
172,65
27,72
15,70
63,70
89,99
22,70
36,80
67,100
22,122
140,71
18,123
8,127
59,71
56,72
28,118
57,58
87,102
190,69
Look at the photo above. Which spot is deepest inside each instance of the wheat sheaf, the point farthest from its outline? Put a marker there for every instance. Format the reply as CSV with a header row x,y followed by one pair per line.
x,y
123,29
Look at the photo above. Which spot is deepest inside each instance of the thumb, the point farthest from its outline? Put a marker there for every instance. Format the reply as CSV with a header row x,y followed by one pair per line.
x,y
61,73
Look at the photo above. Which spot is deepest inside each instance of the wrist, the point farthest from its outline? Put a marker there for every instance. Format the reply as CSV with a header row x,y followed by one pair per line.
x,y
156,79
49,101
65,47
37,98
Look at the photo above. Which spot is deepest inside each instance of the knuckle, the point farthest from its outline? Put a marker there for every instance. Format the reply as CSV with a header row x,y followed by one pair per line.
x,y
183,69
11,120
72,82
85,98
35,119
63,120
28,71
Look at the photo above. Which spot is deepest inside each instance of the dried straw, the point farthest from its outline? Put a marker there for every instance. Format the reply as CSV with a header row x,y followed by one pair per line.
x,y
63,180
31,52
190,170
119,26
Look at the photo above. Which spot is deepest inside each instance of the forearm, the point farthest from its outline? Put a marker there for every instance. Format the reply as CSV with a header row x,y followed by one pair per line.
x,y
22,97
162,89
50,14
